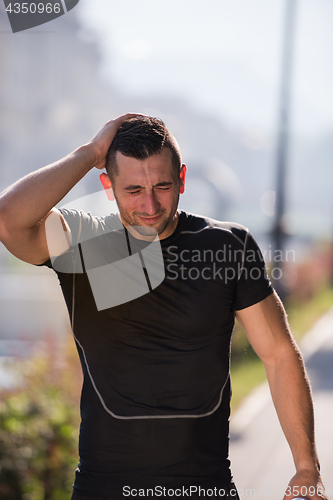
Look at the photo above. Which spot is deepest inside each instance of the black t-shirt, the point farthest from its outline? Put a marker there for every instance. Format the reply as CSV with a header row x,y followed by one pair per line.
x,y
156,392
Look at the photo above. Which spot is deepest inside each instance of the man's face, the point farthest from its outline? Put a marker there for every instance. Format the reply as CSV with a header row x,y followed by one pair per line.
x,y
147,193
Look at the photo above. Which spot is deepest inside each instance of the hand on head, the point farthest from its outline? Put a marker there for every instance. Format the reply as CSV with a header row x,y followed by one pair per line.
x,y
101,142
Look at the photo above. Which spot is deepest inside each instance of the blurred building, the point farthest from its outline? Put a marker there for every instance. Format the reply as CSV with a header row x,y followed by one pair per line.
x,y
52,100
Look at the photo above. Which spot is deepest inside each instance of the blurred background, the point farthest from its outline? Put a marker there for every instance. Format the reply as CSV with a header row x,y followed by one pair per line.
x,y
245,87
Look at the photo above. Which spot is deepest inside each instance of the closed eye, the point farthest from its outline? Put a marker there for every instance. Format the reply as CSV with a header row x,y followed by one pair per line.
x,y
136,189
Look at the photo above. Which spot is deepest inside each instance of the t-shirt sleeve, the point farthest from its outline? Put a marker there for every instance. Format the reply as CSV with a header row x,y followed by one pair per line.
x,y
253,284
83,226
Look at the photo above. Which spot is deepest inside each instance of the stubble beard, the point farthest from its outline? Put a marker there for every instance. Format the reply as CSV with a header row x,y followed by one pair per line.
x,y
150,231
147,231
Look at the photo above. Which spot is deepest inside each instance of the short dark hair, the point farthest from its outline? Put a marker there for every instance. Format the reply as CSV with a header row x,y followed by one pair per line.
x,y
141,137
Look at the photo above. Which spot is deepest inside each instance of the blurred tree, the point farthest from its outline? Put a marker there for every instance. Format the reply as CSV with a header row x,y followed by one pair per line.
x,y
39,421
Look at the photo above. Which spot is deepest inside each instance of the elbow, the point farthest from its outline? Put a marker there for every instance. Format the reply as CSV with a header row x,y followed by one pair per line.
x,y
7,227
3,226
283,355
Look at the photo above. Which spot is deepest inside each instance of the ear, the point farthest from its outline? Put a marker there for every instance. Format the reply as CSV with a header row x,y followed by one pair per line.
x,y
105,180
182,175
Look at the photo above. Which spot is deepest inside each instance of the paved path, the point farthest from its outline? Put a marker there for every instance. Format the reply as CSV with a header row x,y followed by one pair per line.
x,y
261,460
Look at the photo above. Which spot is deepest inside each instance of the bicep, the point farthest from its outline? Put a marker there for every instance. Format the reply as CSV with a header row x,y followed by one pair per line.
x,y
49,238
266,327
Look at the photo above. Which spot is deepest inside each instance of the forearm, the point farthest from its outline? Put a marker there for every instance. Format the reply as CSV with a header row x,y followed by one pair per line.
x,y
267,328
292,398
26,202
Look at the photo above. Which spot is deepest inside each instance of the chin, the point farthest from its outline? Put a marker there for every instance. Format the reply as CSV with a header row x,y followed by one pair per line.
x,y
148,231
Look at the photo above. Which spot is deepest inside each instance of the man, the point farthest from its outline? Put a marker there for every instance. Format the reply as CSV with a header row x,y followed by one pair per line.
x,y
155,398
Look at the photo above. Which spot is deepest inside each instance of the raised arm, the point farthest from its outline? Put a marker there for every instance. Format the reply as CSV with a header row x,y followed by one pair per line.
x,y
26,204
267,328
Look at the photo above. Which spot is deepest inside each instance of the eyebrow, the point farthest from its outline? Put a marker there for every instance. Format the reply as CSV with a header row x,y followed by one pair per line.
x,y
134,187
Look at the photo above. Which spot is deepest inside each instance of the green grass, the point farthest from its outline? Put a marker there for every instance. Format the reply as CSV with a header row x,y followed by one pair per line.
x,y
302,315
247,371
245,376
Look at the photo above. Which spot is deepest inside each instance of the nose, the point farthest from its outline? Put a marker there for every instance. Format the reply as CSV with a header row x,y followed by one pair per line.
x,y
150,204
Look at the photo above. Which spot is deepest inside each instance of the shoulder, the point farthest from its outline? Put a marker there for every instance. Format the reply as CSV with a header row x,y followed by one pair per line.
x,y
87,217
85,226
196,224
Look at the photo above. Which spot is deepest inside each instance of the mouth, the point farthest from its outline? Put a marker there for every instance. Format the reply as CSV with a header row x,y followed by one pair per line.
x,y
150,220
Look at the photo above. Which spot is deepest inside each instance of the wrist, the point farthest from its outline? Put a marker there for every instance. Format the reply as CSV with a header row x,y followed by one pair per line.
x,y
312,472
87,155
307,459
